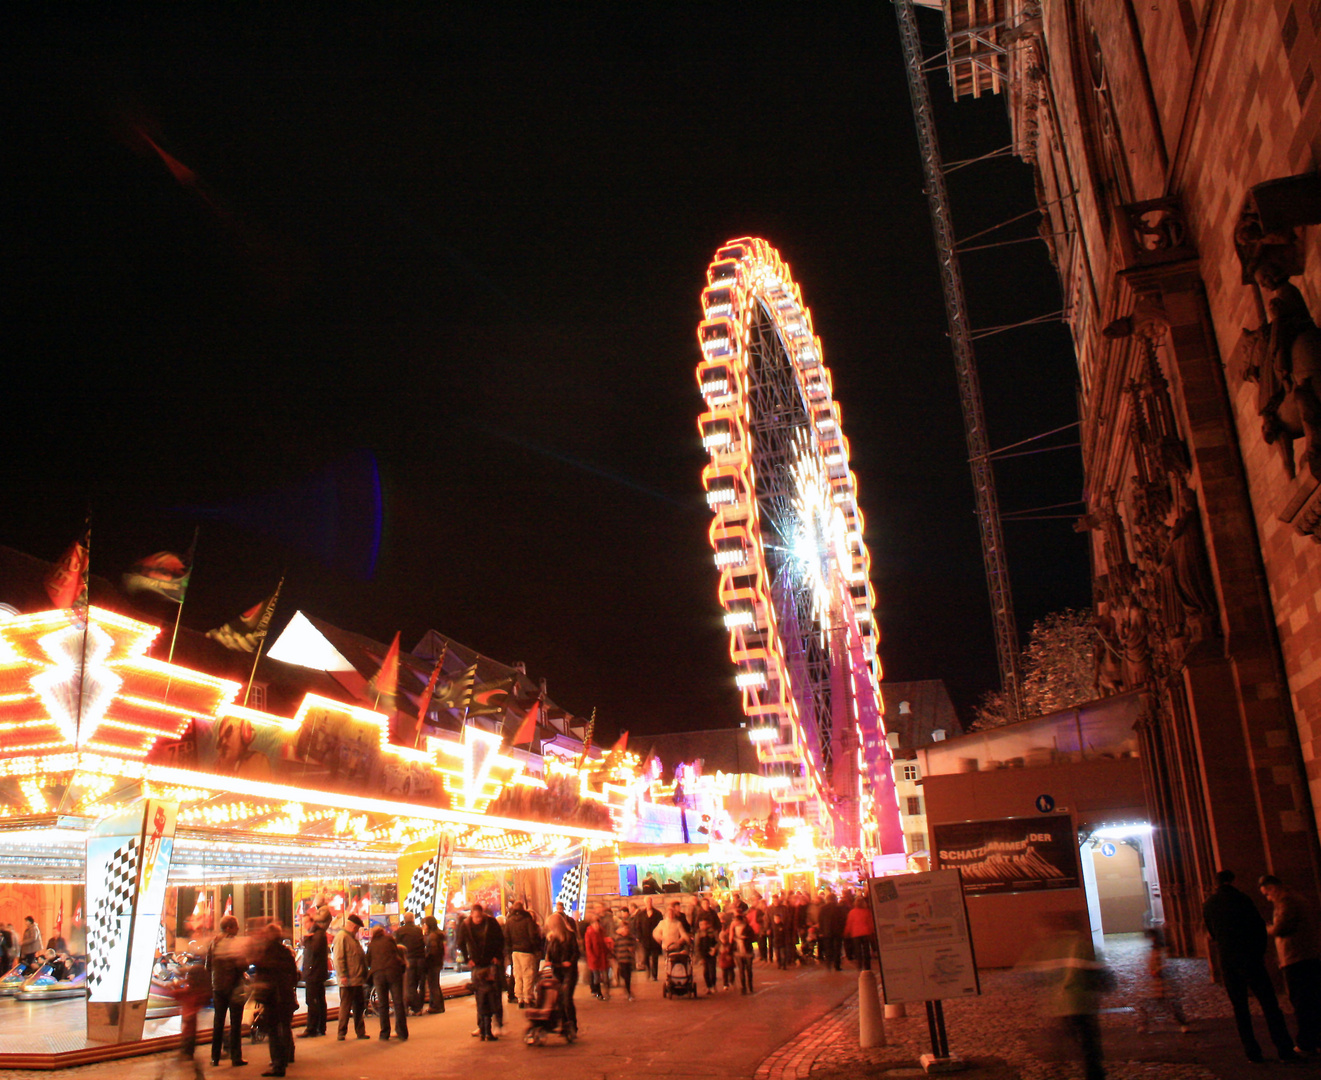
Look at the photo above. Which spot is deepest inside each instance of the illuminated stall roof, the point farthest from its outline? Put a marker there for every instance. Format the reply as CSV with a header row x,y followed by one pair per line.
x,y
89,722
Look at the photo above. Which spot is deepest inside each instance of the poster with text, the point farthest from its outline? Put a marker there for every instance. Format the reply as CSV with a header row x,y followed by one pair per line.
x,y
925,946
1009,855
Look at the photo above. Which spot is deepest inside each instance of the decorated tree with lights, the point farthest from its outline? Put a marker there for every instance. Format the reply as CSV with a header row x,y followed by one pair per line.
x,y
1058,666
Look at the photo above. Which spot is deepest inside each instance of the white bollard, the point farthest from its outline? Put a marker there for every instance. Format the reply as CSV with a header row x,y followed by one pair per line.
x,y
896,1011
871,1024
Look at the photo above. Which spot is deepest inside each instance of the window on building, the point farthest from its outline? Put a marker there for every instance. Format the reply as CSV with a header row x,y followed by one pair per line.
x,y
917,841
905,708
257,698
914,804
909,772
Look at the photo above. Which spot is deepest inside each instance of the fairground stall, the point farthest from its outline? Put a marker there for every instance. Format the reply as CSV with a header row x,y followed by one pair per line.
x,y
139,803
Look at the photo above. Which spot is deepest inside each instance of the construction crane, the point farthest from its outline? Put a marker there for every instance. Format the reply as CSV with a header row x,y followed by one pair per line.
x,y
965,363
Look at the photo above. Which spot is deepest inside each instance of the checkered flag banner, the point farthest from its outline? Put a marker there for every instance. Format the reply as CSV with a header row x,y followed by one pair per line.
x,y
162,946
112,908
570,888
422,888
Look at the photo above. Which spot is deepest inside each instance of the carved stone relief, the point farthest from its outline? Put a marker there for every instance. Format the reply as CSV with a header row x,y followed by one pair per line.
x,y
1283,355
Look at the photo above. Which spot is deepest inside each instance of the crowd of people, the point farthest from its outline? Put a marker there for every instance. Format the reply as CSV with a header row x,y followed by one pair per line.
x,y
396,972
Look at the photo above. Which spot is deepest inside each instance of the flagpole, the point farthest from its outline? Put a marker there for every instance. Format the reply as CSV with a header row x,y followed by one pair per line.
x,y
261,642
178,615
85,595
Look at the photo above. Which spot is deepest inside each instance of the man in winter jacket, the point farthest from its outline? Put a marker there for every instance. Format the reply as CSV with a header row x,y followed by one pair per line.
x,y
523,940
351,974
385,964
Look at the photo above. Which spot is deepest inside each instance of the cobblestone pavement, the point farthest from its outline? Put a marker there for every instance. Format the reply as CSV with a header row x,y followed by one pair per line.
x,y
1003,1034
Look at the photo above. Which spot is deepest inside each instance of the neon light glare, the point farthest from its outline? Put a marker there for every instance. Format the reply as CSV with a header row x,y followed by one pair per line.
x,y
78,690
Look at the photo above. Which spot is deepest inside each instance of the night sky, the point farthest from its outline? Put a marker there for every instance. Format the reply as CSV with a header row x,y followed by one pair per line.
x,y
256,255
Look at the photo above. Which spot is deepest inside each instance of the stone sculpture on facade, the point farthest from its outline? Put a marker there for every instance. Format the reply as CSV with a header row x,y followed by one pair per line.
x,y
1283,357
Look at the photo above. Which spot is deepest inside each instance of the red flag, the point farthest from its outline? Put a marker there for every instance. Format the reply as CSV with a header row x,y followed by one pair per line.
x,y
67,582
425,702
527,730
387,679
229,904
59,920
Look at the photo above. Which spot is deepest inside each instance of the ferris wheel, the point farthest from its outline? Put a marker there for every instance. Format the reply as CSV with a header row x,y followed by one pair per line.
x,y
788,540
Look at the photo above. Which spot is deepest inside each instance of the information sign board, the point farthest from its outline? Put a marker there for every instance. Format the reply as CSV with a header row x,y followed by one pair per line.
x,y
925,943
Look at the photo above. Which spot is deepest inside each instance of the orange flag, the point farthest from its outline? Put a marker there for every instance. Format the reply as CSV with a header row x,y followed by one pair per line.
x,y
527,730
387,679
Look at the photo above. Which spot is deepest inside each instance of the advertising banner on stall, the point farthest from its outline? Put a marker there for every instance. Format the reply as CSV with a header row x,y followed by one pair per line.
x,y
128,864
424,874
1009,855
925,945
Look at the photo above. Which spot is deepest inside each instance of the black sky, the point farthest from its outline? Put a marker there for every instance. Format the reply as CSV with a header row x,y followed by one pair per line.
x,y
468,245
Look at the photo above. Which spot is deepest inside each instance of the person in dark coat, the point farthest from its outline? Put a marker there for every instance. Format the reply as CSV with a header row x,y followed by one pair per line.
x,y
277,975
483,943
435,958
227,960
414,944
316,966
523,938
1239,931
385,966
830,929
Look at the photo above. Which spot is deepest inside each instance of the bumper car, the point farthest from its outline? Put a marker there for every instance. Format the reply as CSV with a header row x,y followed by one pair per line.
x,y
61,977
12,981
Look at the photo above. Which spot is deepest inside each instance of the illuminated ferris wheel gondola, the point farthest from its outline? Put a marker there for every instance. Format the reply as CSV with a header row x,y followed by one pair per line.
x,y
788,540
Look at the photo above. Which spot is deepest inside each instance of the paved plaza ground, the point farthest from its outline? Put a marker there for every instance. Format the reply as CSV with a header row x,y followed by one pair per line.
x,y
800,1024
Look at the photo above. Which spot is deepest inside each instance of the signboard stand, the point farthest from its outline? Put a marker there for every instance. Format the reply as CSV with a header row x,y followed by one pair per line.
x,y
939,1060
924,946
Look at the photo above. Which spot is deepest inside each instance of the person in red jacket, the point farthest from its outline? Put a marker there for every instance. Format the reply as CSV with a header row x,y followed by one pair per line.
x,y
860,929
598,958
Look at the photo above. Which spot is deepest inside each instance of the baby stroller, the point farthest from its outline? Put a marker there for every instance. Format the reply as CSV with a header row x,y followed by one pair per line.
x,y
679,981
546,1014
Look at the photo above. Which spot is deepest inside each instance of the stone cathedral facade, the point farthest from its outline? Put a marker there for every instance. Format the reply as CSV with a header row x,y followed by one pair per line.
x,y
1176,148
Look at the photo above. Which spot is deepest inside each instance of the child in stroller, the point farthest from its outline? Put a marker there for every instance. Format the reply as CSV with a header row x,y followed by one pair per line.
x,y
679,981
546,1013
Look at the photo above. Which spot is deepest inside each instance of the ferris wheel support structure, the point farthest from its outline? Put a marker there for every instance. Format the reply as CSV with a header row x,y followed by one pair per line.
x,y
787,534
965,364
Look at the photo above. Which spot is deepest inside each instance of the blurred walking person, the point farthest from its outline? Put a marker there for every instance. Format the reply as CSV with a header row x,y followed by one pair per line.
x,y
626,948
598,959
227,960
562,955
741,942
860,930
277,977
